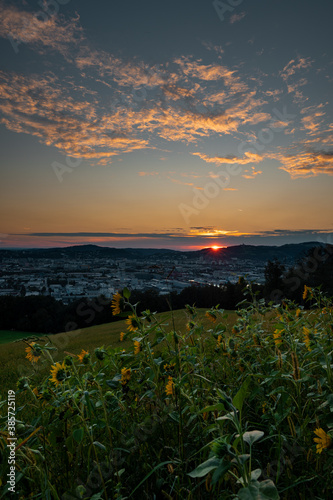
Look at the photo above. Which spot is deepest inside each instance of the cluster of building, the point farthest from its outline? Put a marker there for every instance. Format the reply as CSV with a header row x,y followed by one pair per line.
x,y
69,279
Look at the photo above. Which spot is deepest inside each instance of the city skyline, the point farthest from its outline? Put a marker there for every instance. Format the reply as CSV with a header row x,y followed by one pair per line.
x,y
166,126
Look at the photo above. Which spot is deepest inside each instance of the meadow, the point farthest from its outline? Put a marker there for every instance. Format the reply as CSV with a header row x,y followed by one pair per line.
x,y
11,336
192,404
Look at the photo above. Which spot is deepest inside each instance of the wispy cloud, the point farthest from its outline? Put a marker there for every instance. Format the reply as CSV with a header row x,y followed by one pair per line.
x,y
306,163
294,65
231,159
145,174
237,17
251,174
44,107
53,32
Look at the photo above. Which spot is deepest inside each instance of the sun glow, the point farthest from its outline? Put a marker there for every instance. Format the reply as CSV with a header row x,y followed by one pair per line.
x,y
215,247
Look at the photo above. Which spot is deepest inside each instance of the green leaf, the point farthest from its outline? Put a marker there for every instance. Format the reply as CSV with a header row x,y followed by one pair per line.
x,y
78,434
126,293
99,445
114,383
330,401
217,407
255,474
228,416
241,458
241,394
252,436
221,470
80,491
205,467
265,490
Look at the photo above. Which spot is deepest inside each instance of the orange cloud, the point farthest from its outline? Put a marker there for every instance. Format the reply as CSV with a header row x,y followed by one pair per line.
x,y
237,17
143,174
251,174
219,160
306,164
311,123
293,65
41,107
38,28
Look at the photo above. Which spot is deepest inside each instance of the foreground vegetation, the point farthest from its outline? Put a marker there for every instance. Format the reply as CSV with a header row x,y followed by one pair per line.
x,y
13,360
227,411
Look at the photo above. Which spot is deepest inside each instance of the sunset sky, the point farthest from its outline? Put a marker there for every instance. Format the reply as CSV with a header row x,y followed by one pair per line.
x,y
179,124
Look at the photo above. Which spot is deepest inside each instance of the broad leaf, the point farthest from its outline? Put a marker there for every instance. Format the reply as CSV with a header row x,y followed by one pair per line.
x,y
241,394
78,435
265,490
252,436
205,467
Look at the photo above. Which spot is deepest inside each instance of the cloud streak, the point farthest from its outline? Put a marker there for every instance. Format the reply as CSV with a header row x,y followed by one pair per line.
x,y
307,163
39,29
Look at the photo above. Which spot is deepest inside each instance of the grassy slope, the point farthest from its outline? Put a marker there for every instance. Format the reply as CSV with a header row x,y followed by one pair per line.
x,y
10,336
14,364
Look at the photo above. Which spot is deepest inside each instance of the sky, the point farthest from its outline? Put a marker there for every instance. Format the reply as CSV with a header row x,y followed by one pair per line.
x,y
165,124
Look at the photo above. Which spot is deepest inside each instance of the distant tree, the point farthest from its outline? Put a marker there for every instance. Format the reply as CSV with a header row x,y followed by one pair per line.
x,y
274,284
314,269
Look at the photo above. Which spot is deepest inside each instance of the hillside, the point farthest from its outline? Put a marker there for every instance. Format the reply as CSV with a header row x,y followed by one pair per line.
x,y
253,252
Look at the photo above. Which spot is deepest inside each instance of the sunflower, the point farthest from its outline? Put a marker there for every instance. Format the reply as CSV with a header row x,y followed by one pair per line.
x,y
277,338
307,340
323,440
58,372
168,367
34,352
137,347
84,356
190,325
117,304
122,335
133,323
170,387
211,316
36,392
125,375
307,289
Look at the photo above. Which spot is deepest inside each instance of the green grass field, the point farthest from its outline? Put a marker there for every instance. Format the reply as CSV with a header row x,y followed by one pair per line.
x,y
12,354
11,336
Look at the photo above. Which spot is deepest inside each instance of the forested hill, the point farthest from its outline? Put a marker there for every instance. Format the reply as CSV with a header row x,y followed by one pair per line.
x,y
252,252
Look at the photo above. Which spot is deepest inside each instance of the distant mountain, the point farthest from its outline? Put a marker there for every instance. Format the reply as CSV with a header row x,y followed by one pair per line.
x,y
260,253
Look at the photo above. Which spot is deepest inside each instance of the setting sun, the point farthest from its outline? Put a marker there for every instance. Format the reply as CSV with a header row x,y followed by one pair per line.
x,y
215,247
